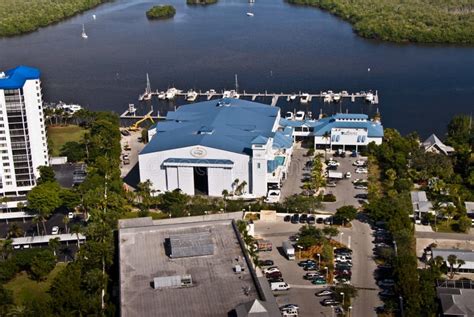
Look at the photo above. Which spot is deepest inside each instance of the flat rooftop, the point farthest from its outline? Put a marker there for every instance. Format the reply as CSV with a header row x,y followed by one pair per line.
x,y
216,290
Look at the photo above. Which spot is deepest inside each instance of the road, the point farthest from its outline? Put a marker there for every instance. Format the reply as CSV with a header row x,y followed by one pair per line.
x,y
363,268
292,185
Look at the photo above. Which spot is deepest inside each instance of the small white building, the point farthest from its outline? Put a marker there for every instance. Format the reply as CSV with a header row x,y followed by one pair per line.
x,y
433,144
347,131
212,146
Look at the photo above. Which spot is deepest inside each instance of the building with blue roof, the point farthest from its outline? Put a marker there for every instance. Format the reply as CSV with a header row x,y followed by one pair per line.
x,y
23,134
346,131
217,145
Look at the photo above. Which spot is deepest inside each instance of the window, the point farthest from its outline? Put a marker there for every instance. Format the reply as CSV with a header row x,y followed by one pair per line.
x,y
8,177
7,170
258,165
4,157
8,183
6,164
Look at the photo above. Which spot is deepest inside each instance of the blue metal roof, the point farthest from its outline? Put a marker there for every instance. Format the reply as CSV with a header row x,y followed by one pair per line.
x,y
282,141
374,129
15,78
234,123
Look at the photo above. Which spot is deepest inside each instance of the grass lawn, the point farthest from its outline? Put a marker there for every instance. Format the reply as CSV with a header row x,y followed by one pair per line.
x,y
59,135
24,289
443,226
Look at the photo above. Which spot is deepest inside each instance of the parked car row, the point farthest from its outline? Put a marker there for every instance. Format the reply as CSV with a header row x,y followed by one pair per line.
x,y
314,273
384,273
275,278
343,265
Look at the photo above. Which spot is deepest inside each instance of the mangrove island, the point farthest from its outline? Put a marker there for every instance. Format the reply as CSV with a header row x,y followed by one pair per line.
x,y
161,12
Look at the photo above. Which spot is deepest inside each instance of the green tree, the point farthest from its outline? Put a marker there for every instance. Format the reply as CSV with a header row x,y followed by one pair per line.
x,y
42,264
144,193
14,231
460,131
19,311
6,300
349,291
74,151
452,261
46,175
330,232
345,214
174,202
54,245
43,200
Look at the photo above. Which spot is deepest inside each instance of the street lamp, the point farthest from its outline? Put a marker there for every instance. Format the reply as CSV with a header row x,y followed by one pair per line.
x,y
342,293
299,247
342,233
319,260
327,273
350,311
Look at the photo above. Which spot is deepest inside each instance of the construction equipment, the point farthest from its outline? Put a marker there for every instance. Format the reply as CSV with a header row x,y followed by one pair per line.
x,y
136,125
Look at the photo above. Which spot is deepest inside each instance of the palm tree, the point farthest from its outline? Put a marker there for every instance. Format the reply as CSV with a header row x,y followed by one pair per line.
x,y
6,248
453,260
225,193
76,229
36,220
66,220
15,231
54,244
19,311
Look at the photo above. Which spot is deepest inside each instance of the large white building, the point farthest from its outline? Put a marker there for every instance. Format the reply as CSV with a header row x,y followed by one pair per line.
x,y
346,131
217,145
23,142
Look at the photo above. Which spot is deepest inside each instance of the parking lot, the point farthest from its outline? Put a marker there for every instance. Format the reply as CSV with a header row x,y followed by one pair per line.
x,y
131,146
301,291
345,190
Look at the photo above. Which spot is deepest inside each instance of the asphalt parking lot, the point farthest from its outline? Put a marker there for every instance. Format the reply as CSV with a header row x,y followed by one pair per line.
x,y
301,291
345,190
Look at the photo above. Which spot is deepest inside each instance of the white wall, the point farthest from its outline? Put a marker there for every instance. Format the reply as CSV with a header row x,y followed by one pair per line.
x,y
151,167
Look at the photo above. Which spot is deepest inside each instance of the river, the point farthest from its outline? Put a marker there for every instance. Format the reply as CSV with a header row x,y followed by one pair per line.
x,y
282,48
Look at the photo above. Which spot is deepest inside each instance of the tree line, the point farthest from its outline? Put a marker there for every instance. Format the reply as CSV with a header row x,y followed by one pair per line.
x,y
18,17
397,163
421,21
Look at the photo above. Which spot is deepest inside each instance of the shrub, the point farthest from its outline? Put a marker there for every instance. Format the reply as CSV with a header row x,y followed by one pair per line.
x,y
329,198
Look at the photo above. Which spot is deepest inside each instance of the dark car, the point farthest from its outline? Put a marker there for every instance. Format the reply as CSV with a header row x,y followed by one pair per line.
x,y
306,263
274,275
266,263
319,220
342,250
287,219
303,218
311,268
275,280
295,218
311,220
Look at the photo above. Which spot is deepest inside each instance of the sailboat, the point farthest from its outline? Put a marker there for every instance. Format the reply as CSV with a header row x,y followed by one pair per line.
x,y
84,35
147,94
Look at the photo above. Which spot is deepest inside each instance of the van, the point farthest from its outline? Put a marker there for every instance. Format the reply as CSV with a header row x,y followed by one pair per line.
x,y
279,286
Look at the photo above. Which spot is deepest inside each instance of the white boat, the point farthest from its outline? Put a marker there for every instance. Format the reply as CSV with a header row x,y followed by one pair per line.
x,y
299,116
327,98
191,95
210,92
84,35
250,14
292,97
289,116
230,94
71,109
171,93
336,97
162,95
94,17
304,98
369,97
147,94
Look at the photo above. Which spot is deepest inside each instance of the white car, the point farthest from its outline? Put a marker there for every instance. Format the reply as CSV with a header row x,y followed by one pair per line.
x,y
361,170
273,196
359,163
333,163
271,269
55,230
348,175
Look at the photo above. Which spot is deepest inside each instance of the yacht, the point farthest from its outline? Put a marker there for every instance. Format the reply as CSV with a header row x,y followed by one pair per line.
x,y
292,97
161,95
304,98
299,116
231,94
369,97
191,95
171,93
94,17
289,116
250,14
71,109
336,97
84,35
327,98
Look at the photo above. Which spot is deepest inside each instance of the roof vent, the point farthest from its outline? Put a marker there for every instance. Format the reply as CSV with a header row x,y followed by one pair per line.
x,y
205,130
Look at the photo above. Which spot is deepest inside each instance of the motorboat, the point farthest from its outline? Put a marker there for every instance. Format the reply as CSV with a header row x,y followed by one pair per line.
x,y
171,93
336,97
231,94
299,115
161,95
289,116
94,17
369,97
328,98
191,95
84,35
226,94
304,98
71,109
292,97
250,14
211,92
